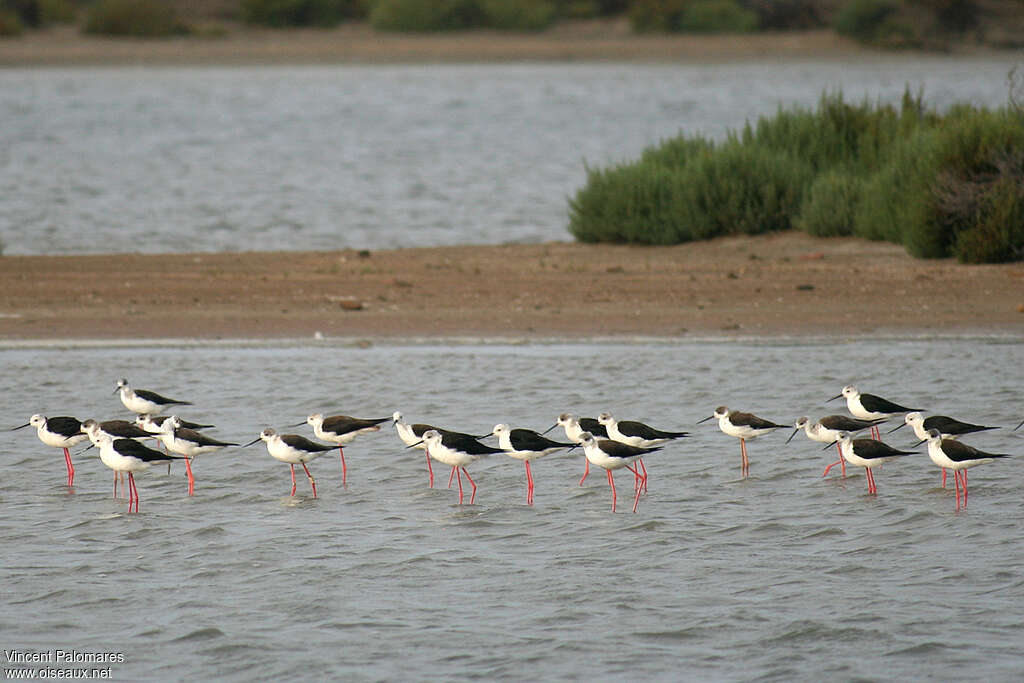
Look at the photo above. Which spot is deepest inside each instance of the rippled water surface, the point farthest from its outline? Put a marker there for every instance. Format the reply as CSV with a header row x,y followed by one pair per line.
x,y
228,159
781,576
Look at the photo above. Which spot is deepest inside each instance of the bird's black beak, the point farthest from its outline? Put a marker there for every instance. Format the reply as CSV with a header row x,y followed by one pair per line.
x,y
834,398
92,445
706,419
21,427
252,442
549,428
830,445
899,426
792,435
116,389
920,442
414,445
298,424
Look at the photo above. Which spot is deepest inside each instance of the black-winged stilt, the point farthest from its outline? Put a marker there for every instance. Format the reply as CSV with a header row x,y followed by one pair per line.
x,y
59,432
189,443
947,426
743,426
526,445
143,401
125,455
292,449
959,457
613,455
574,427
870,407
341,430
868,453
826,430
457,450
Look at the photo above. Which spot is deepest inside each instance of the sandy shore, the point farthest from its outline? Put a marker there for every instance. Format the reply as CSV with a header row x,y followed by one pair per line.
x,y
775,285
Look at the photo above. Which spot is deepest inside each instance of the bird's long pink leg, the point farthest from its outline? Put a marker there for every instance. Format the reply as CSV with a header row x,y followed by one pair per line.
x,y
454,471
312,481
293,479
956,482
640,480
586,471
965,488
71,468
133,493
473,483
450,476
743,452
611,482
639,489
842,460
875,434
529,483
344,470
943,477
871,481
430,469
188,473
115,485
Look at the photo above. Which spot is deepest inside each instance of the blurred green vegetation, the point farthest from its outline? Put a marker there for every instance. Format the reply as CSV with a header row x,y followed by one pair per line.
x,y
941,185
928,24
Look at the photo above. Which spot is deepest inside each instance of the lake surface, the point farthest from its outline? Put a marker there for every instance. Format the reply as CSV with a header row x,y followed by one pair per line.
x,y
323,157
782,576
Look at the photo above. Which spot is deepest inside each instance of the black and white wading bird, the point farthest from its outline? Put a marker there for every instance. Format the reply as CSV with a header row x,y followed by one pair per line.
x,y
826,430
341,430
870,407
743,426
613,455
574,427
59,432
947,426
458,451
125,455
143,401
294,450
950,454
867,453
526,445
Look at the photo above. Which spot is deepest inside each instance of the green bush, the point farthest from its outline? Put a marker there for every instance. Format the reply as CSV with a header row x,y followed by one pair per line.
x,y
519,15
132,18
949,185
427,15
864,20
830,205
282,13
57,12
649,16
716,16
10,24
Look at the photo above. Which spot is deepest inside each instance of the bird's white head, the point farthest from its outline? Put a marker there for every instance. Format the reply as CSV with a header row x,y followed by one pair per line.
x,y
37,420
605,419
850,391
914,419
801,422
500,429
315,420
567,419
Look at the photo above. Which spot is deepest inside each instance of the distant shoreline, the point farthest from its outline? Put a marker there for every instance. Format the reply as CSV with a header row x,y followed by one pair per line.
x,y
358,43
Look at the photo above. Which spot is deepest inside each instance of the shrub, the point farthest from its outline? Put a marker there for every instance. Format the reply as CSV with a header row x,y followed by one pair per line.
x,y
132,18
519,15
427,15
282,13
648,16
830,205
10,24
716,16
939,185
864,20
56,12
783,15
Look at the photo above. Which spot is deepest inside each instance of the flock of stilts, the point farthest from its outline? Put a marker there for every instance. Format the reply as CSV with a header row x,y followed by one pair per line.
x,y
606,442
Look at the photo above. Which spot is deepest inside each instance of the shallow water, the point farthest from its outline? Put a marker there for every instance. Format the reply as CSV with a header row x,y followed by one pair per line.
x,y
263,158
781,576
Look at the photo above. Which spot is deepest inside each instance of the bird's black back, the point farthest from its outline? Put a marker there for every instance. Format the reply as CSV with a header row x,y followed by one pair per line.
x,y
466,444
877,404
529,440
631,428
158,399
301,443
64,425
948,425
589,424
133,449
